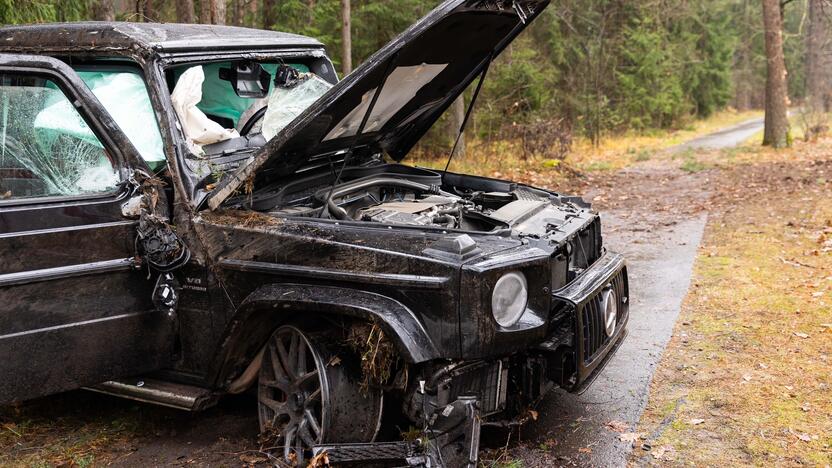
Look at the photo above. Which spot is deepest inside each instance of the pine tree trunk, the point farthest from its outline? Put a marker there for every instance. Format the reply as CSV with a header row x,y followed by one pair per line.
x,y
218,11
205,11
346,37
818,79
252,19
212,11
150,13
104,10
185,11
237,12
776,120
269,14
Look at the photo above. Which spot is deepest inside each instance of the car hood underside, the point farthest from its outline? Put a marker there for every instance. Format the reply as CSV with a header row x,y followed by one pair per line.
x,y
395,96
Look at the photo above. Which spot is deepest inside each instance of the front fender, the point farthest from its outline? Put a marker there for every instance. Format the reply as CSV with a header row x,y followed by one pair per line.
x,y
271,305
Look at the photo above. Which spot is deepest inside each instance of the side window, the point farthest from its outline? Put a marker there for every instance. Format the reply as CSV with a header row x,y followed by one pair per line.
x,y
124,95
46,147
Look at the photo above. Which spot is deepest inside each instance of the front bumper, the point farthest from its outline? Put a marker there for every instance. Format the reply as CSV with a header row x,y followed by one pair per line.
x,y
500,391
574,351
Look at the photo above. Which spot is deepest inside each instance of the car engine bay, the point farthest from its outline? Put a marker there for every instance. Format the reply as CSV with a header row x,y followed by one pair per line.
x,y
394,194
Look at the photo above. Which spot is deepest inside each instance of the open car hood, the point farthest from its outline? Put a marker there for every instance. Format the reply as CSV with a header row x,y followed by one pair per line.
x,y
421,72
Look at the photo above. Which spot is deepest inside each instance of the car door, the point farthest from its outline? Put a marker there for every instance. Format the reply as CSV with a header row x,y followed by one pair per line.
x,y
73,310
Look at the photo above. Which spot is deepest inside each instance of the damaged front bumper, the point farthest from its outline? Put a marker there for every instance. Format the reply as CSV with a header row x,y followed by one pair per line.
x,y
592,314
588,325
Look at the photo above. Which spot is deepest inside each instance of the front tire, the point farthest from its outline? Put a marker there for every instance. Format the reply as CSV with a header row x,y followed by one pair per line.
x,y
313,396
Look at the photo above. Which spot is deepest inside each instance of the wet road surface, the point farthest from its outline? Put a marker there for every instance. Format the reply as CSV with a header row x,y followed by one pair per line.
x,y
726,138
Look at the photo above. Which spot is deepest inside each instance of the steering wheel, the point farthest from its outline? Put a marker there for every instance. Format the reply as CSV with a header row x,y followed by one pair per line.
x,y
252,121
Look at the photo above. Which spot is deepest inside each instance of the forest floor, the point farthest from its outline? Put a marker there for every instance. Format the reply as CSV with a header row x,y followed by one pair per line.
x,y
749,357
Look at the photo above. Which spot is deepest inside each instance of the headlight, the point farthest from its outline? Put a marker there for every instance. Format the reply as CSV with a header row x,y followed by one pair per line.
x,y
609,305
509,299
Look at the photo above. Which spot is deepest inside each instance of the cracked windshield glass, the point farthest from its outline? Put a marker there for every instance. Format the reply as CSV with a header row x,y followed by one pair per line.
x,y
46,147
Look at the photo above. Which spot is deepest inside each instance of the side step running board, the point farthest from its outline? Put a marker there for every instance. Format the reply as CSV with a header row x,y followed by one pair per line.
x,y
157,392
407,453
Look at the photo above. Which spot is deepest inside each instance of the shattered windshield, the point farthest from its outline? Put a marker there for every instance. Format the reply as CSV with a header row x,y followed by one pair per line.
x,y
286,102
46,147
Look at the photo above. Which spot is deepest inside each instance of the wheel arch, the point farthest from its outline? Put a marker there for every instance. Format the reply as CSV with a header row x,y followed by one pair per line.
x,y
273,305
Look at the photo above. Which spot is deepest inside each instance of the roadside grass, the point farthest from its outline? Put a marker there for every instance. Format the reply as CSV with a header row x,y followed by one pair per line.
x,y
80,435
747,376
797,131
621,151
505,158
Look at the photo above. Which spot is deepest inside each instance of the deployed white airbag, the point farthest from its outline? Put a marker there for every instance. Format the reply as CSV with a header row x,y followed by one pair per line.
x,y
198,128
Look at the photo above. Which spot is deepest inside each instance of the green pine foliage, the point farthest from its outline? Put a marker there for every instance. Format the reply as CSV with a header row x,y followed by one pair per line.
x,y
42,11
593,66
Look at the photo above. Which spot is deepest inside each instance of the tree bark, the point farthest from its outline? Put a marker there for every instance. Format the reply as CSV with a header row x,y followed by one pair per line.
x,y
457,116
205,11
218,11
185,11
776,120
150,13
346,37
212,11
818,79
237,12
104,10
269,14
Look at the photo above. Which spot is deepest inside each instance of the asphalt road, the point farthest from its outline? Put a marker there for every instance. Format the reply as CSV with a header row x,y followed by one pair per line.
x,y
726,138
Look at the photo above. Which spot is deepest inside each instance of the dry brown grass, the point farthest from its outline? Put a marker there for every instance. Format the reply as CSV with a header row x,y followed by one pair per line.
x,y
504,158
746,378
51,435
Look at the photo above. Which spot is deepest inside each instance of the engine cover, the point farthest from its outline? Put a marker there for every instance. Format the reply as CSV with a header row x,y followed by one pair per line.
x,y
432,210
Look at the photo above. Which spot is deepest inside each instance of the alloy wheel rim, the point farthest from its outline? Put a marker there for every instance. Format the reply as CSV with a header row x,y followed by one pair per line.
x,y
293,393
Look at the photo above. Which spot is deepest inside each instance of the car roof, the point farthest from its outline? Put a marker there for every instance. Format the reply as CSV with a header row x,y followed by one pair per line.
x,y
164,37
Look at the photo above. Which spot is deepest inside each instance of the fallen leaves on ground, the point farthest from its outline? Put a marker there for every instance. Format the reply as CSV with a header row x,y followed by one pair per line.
x,y
630,437
665,452
618,426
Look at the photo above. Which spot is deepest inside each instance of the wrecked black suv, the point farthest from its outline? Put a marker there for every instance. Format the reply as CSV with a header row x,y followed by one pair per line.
x,y
192,211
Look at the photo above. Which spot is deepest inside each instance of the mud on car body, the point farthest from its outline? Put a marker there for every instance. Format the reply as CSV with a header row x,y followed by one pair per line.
x,y
207,210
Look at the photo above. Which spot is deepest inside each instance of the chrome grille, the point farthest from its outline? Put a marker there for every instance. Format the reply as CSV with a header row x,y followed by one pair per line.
x,y
592,318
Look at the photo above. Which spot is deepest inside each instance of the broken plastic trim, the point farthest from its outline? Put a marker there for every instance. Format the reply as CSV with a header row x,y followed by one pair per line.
x,y
156,242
